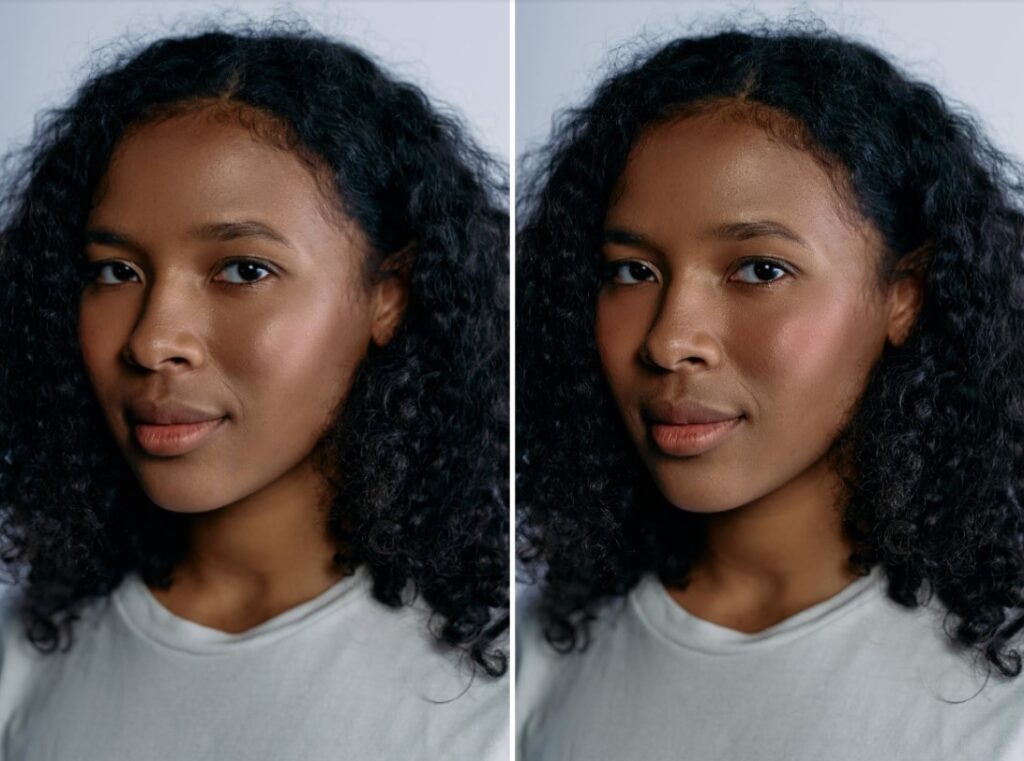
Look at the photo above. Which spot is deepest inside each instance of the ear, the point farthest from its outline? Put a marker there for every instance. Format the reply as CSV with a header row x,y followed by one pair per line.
x,y
906,294
391,294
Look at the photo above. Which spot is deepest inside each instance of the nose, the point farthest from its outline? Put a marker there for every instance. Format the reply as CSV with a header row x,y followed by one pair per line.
x,y
683,336
167,334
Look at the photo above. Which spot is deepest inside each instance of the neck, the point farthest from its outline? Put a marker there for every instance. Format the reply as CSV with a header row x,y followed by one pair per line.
x,y
257,557
771,558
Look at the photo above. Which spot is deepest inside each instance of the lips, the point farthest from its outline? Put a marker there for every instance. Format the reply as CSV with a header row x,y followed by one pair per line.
x,y
168,428
684,428
169,412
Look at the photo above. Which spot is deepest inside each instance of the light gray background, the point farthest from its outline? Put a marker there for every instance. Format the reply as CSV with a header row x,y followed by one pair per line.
x,y
971,51
456,50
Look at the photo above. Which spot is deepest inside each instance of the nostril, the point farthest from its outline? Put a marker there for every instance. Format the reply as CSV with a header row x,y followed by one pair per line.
x,y
154,360
129,356
665,358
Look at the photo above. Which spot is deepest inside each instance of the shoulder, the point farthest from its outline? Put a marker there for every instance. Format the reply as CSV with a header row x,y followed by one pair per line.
x,y
539,664
919,639
14,644
549,679
20,661
533,652
536,659
953,689
535,655
395,650
405,639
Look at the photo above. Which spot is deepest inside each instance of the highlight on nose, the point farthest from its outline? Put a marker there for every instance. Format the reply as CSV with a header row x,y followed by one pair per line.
x,y
165,336
672,348
162,347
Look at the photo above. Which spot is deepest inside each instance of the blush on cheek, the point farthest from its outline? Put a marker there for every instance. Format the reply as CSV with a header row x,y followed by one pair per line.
x,y
303,359
818,359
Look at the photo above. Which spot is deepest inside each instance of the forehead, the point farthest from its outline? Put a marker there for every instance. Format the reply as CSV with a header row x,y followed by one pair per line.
x,y
197,168
700,172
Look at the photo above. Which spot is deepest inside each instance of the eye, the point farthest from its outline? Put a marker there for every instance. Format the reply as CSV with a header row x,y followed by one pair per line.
x,y
761,272
629,272
246,272
111,273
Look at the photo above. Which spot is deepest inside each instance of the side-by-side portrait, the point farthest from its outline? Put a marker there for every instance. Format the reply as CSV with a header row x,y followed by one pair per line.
x,y
493,380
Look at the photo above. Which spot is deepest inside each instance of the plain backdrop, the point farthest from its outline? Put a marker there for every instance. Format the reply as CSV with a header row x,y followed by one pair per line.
x,y
456,50
971,51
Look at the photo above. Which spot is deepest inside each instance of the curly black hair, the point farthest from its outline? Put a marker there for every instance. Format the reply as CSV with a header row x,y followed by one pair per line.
x,y
937,438
422,438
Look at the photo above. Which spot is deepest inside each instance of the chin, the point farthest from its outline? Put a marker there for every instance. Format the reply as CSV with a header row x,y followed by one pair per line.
x,y
698,505
708,495
183,496
185,504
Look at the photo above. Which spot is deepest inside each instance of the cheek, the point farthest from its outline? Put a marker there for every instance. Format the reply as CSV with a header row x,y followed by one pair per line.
x,y
812,361
290,368
621,323
101,338
90,341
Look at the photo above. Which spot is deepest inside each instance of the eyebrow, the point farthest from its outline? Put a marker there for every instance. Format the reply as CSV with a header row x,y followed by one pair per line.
x,y
104,237
761,228
623,237
248,228
222,231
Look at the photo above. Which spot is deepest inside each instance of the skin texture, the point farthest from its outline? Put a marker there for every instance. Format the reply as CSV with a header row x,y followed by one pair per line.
x,y
690,310
170,316
416,460
932,449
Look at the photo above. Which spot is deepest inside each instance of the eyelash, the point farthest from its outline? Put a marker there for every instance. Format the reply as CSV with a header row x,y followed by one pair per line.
x,y
256,263
611,270
773,263
93,271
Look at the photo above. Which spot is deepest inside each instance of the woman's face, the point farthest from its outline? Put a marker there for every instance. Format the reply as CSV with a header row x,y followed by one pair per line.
x,y
740,314
226,313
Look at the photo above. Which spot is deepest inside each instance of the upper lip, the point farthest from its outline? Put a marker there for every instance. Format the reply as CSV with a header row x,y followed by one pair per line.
x,y
169,412
685,412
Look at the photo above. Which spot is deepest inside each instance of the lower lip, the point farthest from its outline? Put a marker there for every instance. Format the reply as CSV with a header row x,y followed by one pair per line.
x,y
691,439
169,440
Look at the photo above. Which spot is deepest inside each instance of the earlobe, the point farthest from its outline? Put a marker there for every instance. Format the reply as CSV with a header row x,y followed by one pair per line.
x,y
905,304
391,294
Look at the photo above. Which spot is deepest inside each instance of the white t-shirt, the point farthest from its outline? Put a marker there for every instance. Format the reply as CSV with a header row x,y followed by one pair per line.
x,y
338,677
855,677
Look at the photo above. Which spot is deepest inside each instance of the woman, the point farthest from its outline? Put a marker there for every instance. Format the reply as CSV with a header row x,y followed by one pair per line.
x,y
771,416
253,415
